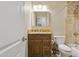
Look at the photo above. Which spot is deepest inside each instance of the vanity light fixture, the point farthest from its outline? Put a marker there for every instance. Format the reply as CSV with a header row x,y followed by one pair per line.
x,y
40,7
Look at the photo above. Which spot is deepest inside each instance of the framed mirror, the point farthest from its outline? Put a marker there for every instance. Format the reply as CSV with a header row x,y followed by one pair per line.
x,y
41,19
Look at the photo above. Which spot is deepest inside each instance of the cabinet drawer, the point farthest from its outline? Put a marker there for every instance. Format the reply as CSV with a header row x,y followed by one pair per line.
x,y
40,36
46,37
34,36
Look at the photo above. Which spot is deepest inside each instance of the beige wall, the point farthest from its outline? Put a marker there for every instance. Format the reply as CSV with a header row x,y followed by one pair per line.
x,y
58,16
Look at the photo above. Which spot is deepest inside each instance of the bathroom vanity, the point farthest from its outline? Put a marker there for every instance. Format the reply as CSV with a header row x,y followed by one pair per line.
x,y
39,35
39,44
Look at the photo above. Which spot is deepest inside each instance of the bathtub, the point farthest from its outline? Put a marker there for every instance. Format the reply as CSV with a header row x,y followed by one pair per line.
x,y
75,49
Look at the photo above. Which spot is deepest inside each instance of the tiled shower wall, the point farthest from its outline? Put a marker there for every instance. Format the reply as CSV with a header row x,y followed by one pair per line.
x,y
72,22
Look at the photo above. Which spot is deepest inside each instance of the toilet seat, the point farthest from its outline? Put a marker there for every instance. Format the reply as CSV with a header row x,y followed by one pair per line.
x,y
64,47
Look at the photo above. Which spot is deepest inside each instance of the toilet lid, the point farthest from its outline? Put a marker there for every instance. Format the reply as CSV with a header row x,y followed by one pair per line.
x,y
64,47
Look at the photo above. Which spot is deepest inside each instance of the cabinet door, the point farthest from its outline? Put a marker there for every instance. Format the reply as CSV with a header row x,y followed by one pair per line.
x,y
46,48
35,48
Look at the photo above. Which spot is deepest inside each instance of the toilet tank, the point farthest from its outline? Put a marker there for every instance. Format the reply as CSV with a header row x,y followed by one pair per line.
x,y
59,39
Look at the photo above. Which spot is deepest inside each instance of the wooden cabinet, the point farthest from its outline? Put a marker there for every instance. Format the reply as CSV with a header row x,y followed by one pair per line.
x,y
39,45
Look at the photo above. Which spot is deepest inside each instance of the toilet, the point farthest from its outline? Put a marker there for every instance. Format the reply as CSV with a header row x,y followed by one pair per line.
x,y
63,49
